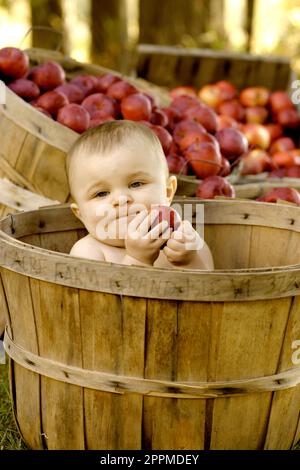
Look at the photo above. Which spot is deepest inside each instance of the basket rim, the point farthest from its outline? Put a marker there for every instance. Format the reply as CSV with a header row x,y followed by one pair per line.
x,y
136,281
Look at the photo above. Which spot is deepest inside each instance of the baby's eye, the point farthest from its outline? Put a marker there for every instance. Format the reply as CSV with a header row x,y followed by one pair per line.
x,y
136,184
102,194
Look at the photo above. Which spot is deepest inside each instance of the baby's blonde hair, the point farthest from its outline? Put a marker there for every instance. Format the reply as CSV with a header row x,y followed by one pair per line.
x,y
107,136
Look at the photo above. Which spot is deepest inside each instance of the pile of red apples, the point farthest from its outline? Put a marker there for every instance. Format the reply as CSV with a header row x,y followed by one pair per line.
x,y
204,132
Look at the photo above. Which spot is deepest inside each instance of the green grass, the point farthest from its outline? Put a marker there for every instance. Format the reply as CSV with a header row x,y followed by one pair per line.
x,y
10,438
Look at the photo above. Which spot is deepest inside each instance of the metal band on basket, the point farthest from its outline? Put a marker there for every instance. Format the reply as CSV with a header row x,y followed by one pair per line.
x,y
160,388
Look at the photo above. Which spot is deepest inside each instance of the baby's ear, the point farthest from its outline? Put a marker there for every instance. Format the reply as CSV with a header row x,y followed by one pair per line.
x,y
75,210
171,188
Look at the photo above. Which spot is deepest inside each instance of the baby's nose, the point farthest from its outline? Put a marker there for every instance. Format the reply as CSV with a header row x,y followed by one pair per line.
x,y
121,199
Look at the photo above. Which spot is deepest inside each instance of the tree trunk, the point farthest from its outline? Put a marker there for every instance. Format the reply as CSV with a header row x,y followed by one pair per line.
x,y
109,33
249,22
172,22
47,13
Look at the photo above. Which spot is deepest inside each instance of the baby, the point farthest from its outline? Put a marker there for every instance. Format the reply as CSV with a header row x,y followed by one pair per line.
x,y
118,175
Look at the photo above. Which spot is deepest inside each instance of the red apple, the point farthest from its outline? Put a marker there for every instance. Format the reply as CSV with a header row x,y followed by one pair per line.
x,y
159,118
284,159
255,162
232,143
279,173
24,88
225,122
183,90
164,137
289,118
280,100
48,76
254,96
74,116
286,194
282,144
204,116
185,127
256,114
226,168
183,102
173,116
87,83
120,90
205,159
196,137
177,164
211,95
52,101
105,81
214,186
257,135
13,62
100,105
228,90
72,92
275,131
136,107
168,214
233,109
96,120
293,172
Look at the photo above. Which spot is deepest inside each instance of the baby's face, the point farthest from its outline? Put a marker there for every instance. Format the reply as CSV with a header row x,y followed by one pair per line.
x,y
119,181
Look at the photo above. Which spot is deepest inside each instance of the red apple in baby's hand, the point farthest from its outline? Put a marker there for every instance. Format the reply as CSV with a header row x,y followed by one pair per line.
x,y
232,109
280,100
24,88
275,131
100,105
289,118
282,144
97,120
204,116
183,90
72,92
196,137
256,114
177,164
136,107
257,135
232,143
225,122
14,63
87,83
164,137
214,186
286,194
48,76
52,101
168,214
74,116
256,161
204,158
254,96
104,82
120,89
185,127
159,118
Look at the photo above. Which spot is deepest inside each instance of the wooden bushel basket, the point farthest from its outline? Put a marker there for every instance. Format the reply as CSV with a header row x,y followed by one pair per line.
x,y
106,356
33,146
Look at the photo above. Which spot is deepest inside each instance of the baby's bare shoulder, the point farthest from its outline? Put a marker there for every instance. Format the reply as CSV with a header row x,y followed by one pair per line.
x,y
88,247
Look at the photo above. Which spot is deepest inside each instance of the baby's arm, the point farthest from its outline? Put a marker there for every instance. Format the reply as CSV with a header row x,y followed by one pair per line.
x,y
89,248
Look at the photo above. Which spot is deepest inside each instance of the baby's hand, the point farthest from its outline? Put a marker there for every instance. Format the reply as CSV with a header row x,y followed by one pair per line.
x,y
183,246
144,244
